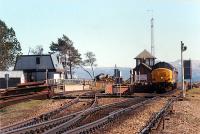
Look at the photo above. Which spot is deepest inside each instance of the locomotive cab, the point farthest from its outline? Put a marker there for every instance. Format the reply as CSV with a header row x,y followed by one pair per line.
x,y
164,77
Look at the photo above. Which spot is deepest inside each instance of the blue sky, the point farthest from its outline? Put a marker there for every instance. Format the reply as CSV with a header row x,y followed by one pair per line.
x,y
115,30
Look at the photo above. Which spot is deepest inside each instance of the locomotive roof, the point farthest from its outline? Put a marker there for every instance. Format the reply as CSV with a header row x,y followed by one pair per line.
x,y
163,65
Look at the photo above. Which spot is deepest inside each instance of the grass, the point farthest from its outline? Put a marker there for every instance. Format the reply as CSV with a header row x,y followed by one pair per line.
x,y
193,94
24,105
20,110
194,91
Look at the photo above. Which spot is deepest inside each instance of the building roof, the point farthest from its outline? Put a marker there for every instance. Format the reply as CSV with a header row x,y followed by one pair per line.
x,y
28,62
145,55
58,66
144,65
12,74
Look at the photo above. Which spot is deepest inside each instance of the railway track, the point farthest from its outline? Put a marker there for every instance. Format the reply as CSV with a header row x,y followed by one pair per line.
x,y
67,121
40,126
97,124
158,118
100,95
172,93
14,96
42,118
78,121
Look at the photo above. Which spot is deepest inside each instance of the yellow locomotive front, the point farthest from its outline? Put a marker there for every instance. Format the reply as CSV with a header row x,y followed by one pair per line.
x,y
164,77
161,75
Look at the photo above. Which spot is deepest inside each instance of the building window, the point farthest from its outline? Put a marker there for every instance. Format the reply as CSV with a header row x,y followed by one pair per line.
x,y
147,62
151,62
138,61
37,60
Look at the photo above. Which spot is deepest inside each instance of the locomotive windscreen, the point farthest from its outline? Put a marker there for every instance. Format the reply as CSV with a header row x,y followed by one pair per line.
x,y
163,65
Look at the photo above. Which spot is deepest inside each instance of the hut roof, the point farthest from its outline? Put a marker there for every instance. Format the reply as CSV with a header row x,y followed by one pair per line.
x,y
145,55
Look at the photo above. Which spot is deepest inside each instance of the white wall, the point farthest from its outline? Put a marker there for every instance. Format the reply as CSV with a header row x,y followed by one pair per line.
x,y
56,76
13,74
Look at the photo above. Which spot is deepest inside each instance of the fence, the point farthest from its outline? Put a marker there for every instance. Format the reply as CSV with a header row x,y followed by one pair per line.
x,y
69,82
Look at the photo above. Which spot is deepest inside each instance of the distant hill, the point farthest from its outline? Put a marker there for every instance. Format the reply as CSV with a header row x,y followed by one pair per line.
x,y
125,71
195,69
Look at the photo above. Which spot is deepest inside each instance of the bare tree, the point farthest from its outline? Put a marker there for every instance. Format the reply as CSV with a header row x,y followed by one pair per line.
x,y
90,60
82,66
38,50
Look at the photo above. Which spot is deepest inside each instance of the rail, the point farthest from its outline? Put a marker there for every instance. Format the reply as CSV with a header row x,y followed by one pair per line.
x,y
158,116
43,123
41,127
91,127
14,96
13,100
68,125
41,118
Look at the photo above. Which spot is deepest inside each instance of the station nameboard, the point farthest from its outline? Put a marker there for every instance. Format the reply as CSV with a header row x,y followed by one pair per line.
x,y
187,69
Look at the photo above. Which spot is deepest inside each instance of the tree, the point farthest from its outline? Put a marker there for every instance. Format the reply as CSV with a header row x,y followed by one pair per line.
x,y
74,59
90,61
82,66
68,53
62,46
9,46
38,50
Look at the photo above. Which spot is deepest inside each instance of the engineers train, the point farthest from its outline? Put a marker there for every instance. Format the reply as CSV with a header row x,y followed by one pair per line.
x,y
164,77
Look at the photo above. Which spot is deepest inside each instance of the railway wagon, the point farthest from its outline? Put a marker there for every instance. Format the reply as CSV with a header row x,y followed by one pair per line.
x,y
164,77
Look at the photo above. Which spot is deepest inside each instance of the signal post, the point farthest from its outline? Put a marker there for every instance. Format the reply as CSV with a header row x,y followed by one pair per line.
x,y
183,48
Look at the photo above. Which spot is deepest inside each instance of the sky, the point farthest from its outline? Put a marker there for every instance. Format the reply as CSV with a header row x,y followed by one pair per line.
x,y
115,30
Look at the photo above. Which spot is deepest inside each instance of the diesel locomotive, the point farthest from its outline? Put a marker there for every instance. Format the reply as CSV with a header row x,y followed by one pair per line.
x,y
164,77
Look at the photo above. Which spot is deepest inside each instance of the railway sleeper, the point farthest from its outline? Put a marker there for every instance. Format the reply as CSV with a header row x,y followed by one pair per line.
x,y
40,119
80,118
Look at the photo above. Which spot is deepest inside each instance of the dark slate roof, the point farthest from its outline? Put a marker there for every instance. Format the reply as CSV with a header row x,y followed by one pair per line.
x,y
144,65
145,55
47,61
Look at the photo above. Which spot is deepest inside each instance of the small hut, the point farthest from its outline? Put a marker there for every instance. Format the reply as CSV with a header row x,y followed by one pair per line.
x,y
142,72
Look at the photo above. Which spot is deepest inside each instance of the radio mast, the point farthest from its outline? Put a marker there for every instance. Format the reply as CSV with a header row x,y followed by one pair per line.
x,y
152,37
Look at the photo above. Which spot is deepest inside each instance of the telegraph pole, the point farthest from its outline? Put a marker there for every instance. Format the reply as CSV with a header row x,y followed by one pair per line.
x,y
183,48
